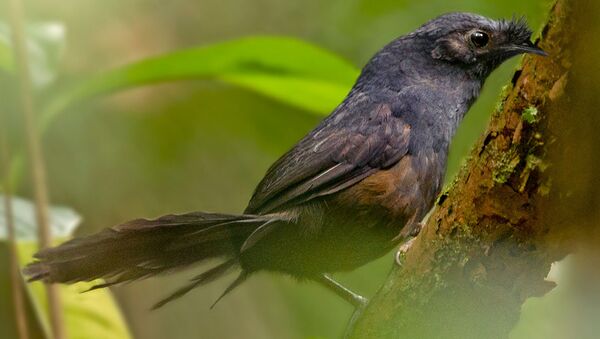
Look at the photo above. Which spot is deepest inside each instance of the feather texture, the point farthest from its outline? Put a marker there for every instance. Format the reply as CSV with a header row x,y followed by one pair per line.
x,y
142,248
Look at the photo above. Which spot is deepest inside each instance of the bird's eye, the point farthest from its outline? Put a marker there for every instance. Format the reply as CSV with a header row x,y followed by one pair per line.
x,y
480,39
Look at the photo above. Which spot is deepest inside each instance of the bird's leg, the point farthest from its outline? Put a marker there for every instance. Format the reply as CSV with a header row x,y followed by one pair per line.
x,y
357,300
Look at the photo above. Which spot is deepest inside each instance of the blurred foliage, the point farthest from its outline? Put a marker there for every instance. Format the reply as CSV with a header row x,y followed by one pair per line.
x,y
281,68
8,318
94,312
45,45
6,60
85,313
571,309
63,220
203,145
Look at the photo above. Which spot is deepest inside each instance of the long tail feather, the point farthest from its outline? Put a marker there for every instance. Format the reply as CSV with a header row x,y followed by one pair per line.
x,y
240,279
201,279
142,248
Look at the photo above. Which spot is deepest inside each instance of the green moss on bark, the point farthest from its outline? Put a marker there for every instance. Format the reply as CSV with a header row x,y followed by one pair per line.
x,y
482,253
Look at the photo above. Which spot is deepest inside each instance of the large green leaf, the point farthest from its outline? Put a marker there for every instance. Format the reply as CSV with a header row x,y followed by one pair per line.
x,y
286,69
94,312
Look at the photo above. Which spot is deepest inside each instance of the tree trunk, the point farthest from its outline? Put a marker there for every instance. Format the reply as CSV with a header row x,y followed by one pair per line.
x,y
527,190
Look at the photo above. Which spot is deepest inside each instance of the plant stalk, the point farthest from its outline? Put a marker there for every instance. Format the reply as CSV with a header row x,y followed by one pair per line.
x,y
38,173
15,276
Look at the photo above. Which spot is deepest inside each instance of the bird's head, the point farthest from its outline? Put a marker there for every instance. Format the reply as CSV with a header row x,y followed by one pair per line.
x,y
476,43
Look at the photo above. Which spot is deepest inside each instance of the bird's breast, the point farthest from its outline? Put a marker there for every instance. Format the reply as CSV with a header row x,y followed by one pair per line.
x,y
403,192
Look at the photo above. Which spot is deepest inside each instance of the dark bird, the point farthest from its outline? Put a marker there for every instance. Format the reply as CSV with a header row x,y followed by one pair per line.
x,y
347,193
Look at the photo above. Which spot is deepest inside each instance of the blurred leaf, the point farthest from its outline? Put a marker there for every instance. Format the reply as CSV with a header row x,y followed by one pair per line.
x,y
95,312
6,58
45,45
381,8
310,94
285,69
63,221
7,315
85,313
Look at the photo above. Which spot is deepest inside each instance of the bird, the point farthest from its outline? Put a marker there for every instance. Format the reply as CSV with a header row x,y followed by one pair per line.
x,y
349,192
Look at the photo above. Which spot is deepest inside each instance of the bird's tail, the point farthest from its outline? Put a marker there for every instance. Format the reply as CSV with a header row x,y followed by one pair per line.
x,y
142,248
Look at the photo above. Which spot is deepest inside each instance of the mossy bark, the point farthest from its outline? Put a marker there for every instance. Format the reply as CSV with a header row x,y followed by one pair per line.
x,y
490,241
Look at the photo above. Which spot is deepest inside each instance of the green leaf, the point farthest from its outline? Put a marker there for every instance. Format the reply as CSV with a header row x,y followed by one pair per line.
x,y
94,312
285,69
63,221
84,313
310,94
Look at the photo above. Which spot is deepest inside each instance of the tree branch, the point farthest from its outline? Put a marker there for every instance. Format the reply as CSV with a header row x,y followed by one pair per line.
x,y
489,243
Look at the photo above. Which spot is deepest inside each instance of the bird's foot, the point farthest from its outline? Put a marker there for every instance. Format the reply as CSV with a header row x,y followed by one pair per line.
x,y
401,253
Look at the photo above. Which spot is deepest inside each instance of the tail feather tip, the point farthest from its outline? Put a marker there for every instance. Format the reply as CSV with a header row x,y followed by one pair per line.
x,y
36,271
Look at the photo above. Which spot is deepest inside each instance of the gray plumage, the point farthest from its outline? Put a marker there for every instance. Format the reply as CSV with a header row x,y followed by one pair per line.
x,y
346,194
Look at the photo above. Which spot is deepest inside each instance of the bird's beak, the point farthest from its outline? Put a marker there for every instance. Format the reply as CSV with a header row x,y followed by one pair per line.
x,y
528,47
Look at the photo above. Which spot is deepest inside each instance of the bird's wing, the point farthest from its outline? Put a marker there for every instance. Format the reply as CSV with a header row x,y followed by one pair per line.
x,y
350,145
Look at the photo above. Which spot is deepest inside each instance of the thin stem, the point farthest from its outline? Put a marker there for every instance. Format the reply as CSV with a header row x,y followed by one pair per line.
x,y
38,173
15,275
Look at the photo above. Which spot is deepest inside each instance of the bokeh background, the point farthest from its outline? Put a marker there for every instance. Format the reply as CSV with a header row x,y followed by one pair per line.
x,y
204,144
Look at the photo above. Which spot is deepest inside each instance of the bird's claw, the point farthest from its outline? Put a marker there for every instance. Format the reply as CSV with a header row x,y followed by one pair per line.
x,y
400,254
